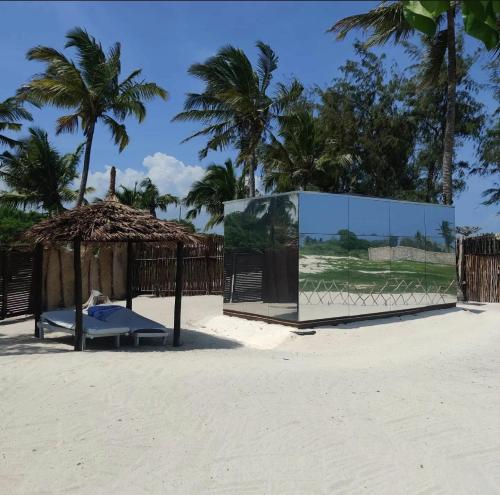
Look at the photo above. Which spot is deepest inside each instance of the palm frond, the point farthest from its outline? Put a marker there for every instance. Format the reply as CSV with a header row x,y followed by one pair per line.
x,y
118,131
384,22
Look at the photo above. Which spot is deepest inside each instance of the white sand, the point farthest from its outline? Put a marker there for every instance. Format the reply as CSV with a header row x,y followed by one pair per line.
x,y
396,406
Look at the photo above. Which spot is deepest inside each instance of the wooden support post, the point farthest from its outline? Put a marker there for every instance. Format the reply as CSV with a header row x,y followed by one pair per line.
x,y
77,266
130,260
178,295
37,285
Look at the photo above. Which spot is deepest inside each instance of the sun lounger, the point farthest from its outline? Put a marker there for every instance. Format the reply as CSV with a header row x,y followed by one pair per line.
x,y
64,321
120,322
139,326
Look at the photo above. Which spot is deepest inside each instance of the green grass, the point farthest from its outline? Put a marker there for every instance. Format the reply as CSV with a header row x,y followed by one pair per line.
x,y
360,273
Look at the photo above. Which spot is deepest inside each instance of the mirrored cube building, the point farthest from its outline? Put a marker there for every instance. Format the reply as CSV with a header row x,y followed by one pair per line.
x,y
306,259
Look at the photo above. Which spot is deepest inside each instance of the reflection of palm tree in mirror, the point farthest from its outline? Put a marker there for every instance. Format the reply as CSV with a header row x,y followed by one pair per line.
x,y
264,223
447,232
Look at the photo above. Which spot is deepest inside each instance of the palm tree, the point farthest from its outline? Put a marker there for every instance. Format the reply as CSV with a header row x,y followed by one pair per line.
x,y
11,112
220,183
127,195
387,22
91,89
300,158
38,175
235,107
144,197
151,199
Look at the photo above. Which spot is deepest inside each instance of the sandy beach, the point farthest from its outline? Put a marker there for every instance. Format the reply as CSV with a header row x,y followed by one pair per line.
x,y
406,405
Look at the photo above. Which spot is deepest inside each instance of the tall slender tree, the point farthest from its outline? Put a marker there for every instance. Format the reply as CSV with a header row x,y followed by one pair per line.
x,y
11,114
91,89
387,22
235,106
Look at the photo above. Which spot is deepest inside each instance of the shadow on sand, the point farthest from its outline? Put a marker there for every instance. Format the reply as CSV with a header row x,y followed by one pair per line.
x,y
393,319
28,344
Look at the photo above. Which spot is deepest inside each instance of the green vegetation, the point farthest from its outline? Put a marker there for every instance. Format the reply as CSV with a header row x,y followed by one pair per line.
x,y
14,222
397,20
236,107
345,259
146,197
37,175
266,223
220,183
11,113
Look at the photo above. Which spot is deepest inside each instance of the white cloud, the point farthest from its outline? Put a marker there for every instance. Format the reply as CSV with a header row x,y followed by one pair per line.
x,y
167,172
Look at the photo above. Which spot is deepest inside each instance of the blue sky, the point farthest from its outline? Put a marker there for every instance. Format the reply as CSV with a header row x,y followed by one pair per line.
x,y
164,39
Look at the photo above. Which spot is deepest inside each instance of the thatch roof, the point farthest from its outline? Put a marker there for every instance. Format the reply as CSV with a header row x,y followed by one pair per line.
x,y
109,221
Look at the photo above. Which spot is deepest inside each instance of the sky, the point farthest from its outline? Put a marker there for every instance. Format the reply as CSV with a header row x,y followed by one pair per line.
x,y
164,39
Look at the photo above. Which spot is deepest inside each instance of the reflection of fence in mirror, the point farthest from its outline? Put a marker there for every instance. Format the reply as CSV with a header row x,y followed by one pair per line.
x,y
376,261
310,256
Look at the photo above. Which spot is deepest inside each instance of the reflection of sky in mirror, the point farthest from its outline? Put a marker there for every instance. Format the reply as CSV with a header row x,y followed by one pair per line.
x,y
407,219
322,213
368,216
435,216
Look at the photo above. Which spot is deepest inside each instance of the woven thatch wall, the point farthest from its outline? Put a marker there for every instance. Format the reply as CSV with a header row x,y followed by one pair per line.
x,y
103,268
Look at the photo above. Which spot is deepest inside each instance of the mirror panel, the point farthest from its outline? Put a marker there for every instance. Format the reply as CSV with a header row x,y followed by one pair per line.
x,y
261,237
439,221
322,213
408,271
370,288
281,271
368,216
407,219
441,270
323,277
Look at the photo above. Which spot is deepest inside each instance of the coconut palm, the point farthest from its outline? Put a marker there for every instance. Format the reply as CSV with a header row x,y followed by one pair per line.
x,y
126,195
387,23
91,89
149,197
299,158
144,196
220,183
11,113
235,106
38,175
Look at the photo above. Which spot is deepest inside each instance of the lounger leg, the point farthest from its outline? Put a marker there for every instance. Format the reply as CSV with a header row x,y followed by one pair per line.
x,y
41,334
117,341
136,340
164,340
84,339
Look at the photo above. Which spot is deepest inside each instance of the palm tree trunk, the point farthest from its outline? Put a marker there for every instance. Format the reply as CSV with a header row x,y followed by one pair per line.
x,y
86,164
449,133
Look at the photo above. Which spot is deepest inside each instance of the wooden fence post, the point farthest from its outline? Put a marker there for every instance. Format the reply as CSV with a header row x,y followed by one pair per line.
x,y
4,260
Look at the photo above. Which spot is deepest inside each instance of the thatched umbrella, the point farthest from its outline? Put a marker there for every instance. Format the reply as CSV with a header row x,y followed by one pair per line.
x,y
107,221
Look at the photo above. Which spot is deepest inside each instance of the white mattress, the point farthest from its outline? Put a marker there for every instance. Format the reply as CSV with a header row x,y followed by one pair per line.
x,y
126,318
92,326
